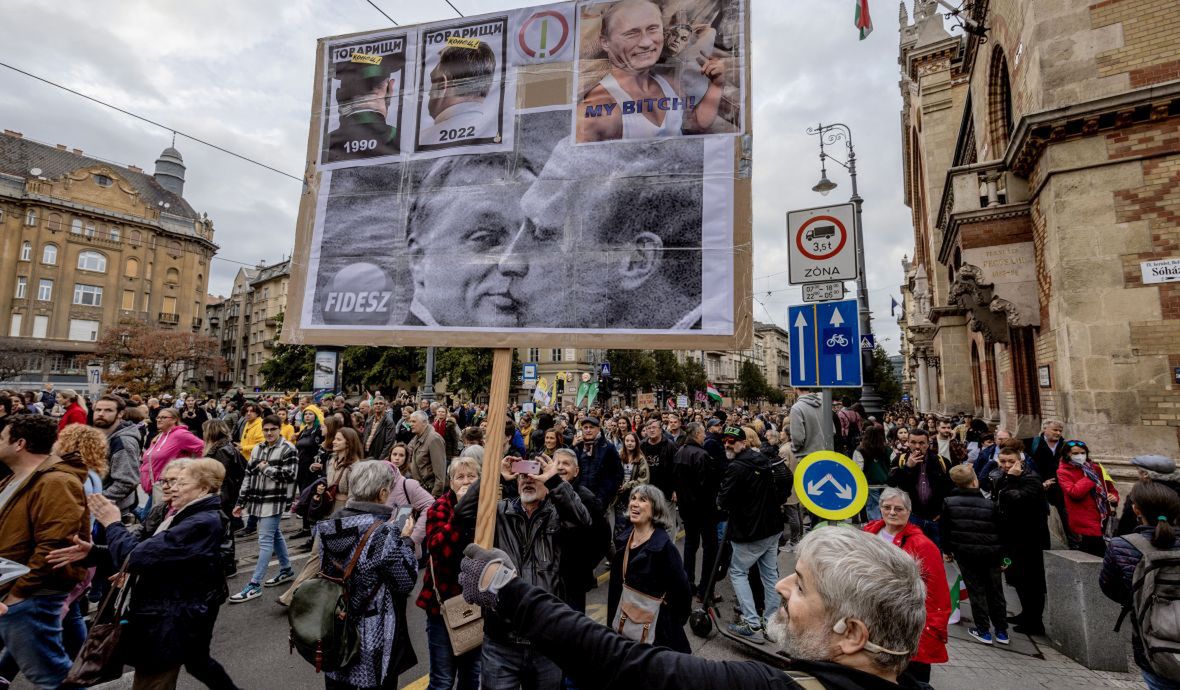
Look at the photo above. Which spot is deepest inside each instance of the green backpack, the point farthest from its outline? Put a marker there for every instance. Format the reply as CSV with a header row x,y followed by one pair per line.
x,y
322,631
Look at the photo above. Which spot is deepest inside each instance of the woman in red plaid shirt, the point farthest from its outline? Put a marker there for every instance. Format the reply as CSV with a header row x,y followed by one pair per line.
x,y
445,543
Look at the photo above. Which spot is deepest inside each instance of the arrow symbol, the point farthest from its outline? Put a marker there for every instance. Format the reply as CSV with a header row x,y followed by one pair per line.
x,y
801,324
837,320
844,492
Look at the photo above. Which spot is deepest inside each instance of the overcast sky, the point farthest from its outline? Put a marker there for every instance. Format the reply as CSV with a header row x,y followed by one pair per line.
x,y
239,74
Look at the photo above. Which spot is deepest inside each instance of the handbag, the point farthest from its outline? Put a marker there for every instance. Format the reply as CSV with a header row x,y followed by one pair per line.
x,y
464,621
98,660
638,612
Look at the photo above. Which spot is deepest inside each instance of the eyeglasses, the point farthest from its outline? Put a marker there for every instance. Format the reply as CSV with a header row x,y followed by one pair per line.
x,y
729,441
894,509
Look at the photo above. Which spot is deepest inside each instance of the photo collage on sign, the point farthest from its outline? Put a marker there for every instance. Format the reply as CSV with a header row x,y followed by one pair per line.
x,y
479,200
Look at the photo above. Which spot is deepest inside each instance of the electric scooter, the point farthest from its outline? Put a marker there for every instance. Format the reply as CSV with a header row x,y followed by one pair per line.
x,y
705,617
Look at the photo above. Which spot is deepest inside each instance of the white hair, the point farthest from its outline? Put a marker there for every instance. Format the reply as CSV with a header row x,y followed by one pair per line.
x,y
566,451
367,478
420,416
463,462
891,492
857,575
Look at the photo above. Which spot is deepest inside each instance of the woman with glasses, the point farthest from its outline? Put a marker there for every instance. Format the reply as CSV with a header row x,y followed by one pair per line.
x,y
266,494
1089,495
172,440
895,528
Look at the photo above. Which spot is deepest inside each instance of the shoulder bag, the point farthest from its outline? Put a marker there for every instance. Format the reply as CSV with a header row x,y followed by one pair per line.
x,y
98,660
464,621
637,612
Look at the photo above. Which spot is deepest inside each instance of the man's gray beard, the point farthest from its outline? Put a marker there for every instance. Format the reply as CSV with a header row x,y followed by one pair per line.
x,y
529,497
730,455
807,646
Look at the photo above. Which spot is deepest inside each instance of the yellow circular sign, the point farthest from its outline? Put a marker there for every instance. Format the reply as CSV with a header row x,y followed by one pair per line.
x,y
830,485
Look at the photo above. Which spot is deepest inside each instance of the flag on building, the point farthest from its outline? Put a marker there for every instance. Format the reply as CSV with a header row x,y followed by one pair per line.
x,y
863,21
713,393
894,305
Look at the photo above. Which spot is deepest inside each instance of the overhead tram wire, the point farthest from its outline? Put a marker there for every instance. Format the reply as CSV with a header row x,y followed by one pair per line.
x,y
152,122
382,12
454,8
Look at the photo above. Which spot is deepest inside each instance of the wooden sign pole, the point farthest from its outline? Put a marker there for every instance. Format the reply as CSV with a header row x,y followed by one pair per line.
x,y
493,447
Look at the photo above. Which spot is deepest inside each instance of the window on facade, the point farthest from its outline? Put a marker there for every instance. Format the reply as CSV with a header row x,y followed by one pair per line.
x,y
135,237
555,355
55,222
534,354
147,301
169,304
14,326
114,233
148,275
132,270
128,300
999,105
174,248
87,295
92,261
22,287
83,329
103,181
31,217
172,277
40,326
49,254
89,229
26,251
76,226
45,290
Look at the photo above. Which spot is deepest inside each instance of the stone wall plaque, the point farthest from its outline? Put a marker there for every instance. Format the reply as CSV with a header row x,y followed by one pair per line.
x,y
1011,268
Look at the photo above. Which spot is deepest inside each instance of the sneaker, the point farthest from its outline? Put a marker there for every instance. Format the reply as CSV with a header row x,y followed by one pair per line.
x,y
1002,636
248,592
245,532
746,631
983,636
283,576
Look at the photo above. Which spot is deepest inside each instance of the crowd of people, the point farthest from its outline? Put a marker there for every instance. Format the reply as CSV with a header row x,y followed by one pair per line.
x,y
154,493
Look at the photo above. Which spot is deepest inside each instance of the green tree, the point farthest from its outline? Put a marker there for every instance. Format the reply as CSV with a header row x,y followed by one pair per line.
x,y
631,371
384,369
693,374
881,372
667,371
751,382
465,368
290,367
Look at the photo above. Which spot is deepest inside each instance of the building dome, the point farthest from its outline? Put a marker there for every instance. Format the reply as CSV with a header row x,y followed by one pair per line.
x,y
170,171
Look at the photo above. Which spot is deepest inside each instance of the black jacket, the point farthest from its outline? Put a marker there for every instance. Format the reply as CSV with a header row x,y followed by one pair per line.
x,y
308,446
1046,462
235,473
654,568
596,657
383,440
1127,521
179,588
660,457
970,527
906,479
583,547
1024,515
753,492
696,479
533,543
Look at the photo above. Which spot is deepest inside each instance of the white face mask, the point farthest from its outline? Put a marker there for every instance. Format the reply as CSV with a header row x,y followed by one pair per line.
x,y
1078,459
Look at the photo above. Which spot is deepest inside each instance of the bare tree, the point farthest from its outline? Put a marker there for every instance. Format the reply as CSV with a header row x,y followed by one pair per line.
x,y
18,355
151,360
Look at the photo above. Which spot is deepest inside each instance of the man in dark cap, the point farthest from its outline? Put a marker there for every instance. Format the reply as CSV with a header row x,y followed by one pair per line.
x,y
363,97
601,468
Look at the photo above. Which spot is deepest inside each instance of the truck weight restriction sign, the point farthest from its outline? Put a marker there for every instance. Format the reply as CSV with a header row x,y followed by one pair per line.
x,y
822,244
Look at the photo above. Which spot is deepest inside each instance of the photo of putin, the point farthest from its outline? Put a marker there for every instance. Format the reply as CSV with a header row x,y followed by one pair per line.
x,y
363,98
458,102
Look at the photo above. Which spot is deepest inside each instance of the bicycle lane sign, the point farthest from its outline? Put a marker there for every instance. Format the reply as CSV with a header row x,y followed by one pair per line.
x,y
839,344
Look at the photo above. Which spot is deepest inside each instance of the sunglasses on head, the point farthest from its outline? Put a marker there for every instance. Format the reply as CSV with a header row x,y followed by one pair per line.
x,y
1075,444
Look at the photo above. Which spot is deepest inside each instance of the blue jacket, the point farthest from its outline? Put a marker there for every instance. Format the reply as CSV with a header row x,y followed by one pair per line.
x,y
600,470
179,587
1118,571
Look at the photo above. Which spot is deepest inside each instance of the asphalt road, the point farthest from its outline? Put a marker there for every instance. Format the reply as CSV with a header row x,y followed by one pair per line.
x,y
251,638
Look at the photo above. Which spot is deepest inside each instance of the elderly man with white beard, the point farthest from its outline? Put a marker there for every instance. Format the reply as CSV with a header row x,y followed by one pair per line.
x,y
852,614
530,527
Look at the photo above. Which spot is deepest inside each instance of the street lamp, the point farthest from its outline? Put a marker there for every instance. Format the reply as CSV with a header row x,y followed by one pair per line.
x,y
829,135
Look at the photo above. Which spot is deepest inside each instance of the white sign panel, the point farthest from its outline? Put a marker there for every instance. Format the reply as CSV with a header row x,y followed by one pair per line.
x,y
324,377
1160,271
94,378
823,292
822,244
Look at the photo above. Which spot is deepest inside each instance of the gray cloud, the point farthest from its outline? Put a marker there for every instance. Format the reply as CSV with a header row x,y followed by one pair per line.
x,y
240,75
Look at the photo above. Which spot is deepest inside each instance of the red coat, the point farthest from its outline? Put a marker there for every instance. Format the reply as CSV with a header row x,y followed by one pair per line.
x,y
1080,509
932,644
74,415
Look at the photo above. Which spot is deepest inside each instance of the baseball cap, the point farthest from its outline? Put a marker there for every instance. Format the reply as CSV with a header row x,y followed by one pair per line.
x,y
734,432
713,421
593,421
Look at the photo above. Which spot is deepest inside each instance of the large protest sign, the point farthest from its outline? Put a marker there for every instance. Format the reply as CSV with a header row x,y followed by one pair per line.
x,y
491,224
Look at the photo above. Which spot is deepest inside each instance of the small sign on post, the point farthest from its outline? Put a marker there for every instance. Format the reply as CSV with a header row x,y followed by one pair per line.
x,y
822,244
823,292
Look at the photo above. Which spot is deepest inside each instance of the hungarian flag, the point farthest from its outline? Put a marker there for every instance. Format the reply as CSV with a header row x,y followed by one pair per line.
x,y
863,21
713,393
958,594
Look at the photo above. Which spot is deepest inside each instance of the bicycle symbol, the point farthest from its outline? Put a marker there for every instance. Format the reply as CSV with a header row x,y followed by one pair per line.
x,y
838,340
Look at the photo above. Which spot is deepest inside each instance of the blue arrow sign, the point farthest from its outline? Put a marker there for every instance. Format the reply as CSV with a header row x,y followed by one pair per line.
x,y
838,344
830,485
804,363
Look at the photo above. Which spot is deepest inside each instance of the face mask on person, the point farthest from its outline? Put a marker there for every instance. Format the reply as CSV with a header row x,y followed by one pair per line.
x,y
1079,459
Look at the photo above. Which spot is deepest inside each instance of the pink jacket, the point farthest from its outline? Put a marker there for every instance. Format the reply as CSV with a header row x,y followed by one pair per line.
x,y
178,442
408,492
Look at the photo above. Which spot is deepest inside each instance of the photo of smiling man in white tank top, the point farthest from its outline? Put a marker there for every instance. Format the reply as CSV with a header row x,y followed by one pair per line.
x,y
633,102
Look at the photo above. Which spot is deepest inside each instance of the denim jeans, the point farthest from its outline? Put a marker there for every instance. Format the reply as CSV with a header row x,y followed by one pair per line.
x,y
31,632
764,552
509,665
873,506
270,542
1155,682
930,528
445,667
